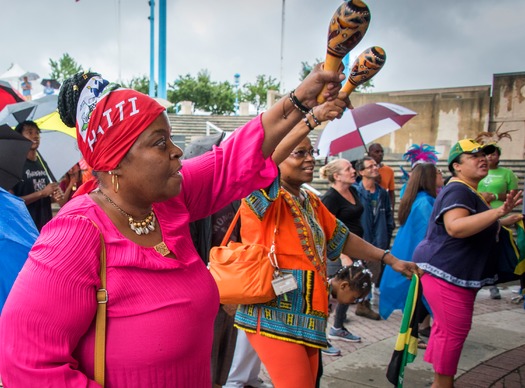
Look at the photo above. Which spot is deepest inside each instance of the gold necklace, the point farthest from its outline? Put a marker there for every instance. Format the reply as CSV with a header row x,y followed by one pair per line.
x,y
139,227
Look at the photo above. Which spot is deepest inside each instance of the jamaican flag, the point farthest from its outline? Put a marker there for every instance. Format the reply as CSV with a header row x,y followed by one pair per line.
x,y
520,243
406,344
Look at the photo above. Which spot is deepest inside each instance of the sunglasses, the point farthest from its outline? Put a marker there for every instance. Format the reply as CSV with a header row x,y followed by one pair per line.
x,y
301,154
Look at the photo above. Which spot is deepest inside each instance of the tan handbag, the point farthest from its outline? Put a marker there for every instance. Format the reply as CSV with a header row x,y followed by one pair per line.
x,y
244,273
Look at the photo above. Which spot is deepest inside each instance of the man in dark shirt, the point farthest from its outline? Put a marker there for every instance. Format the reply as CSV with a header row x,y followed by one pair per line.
x,y
38,187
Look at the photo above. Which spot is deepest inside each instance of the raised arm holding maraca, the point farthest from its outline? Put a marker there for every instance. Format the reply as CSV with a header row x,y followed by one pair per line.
x,y
347,27
366,65
140,183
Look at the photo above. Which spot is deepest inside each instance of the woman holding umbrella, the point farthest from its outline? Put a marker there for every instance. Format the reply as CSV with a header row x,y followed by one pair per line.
x,y
26,88
50,85
48,90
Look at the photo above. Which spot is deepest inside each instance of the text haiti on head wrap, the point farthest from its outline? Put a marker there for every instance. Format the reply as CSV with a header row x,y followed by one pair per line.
x,y
109,121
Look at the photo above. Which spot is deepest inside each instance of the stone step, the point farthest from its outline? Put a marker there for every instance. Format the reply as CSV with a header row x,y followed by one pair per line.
x,y
187,127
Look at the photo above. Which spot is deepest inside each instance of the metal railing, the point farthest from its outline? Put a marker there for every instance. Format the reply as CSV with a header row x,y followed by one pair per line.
x,y
209,126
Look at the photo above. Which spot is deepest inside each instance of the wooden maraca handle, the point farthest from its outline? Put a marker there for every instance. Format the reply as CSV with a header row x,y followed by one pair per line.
x,y
347,27
366,65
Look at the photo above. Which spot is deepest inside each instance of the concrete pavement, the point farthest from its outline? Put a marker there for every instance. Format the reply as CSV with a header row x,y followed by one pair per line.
x,y
494,353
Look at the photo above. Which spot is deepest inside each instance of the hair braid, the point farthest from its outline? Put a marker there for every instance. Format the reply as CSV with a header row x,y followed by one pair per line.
x,y
69,96
358,276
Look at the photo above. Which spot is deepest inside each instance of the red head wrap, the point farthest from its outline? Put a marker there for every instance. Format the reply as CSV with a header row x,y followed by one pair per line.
x,y
109,121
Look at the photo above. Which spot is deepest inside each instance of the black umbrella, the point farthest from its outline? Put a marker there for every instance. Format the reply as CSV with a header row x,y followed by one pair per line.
x,y
13,153
53,83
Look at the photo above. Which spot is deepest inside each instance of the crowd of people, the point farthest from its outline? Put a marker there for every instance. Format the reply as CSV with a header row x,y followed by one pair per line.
x,y
156,212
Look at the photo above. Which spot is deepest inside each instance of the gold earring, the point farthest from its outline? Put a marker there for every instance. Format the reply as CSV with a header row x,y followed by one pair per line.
x,y
114,181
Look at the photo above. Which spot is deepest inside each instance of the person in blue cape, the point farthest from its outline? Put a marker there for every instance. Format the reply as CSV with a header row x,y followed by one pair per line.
x,y
17,235
418,196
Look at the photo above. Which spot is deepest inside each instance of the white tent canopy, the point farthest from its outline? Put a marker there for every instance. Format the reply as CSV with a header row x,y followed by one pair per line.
x,y
14,72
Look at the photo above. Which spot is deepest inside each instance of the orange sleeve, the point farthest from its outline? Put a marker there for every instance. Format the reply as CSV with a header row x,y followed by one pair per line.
x,y
387,178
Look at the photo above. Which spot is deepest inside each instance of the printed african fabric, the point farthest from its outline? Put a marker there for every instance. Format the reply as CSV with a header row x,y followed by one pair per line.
x,y
308,235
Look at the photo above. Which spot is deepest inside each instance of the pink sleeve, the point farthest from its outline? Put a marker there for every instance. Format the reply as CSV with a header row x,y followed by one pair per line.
x,y
228,172
51,306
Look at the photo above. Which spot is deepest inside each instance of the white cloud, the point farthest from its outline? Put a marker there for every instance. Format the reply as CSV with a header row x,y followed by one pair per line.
x,y
432,44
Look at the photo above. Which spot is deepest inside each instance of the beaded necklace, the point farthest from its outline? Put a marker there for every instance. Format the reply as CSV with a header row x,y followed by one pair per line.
x,y
139,227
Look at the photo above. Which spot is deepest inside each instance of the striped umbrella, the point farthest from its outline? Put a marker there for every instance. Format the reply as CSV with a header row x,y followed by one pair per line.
x,y
360,126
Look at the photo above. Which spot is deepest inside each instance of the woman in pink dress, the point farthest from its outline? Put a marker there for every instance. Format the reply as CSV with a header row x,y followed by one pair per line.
x,y
161,298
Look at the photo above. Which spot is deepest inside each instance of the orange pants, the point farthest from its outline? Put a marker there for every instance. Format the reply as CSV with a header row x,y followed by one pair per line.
x,y
289,364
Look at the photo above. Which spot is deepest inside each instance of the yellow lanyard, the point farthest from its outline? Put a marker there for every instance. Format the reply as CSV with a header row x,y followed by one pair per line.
x,y
472,188
483,199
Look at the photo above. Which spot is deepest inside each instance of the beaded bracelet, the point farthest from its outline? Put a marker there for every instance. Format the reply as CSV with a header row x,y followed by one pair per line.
x,y
386,252
298,105
316,120
307,122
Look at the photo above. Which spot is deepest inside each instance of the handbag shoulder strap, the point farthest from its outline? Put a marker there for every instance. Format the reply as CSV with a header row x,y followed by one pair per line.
x,y
277,219
100,325
100,322
237,216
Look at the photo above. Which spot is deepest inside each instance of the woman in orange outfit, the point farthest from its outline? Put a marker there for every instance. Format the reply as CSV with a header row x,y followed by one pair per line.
x,y
288,331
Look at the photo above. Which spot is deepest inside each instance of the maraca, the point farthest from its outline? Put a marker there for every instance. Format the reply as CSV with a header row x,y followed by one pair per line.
x,y
366,65
347,28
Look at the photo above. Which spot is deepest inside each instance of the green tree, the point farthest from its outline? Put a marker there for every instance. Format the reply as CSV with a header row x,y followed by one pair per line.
x,y
213,97
366,87
257,93
139,83
306,68
63,68
222,99
188,88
